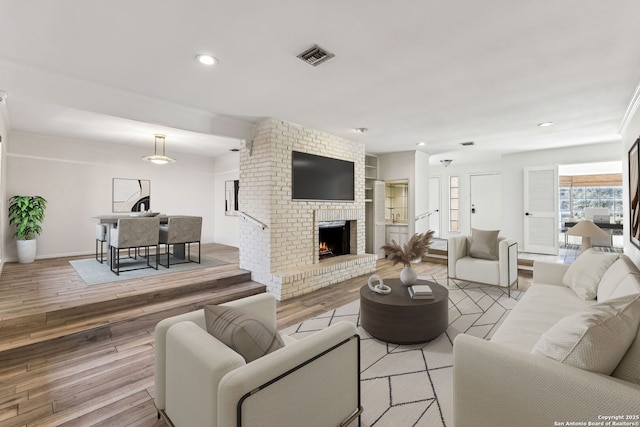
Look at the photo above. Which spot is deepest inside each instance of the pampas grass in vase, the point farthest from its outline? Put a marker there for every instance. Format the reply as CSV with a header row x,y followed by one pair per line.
x,y
413,250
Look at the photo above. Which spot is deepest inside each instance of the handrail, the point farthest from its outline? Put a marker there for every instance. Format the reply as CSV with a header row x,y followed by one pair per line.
x,y
252,219
419,217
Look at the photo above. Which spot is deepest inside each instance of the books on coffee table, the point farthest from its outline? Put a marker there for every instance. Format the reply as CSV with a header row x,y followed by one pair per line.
x,y
421,292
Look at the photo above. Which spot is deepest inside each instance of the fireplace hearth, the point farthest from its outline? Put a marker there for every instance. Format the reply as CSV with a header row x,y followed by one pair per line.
x,y
334,239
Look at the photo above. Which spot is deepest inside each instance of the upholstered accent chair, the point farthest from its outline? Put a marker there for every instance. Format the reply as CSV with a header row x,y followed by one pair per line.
x,y
498,266
101,237
134,233
180,231
200,381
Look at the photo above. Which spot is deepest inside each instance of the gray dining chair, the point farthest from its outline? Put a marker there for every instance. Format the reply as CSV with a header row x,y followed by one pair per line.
x,y
101,237
180,231
133,233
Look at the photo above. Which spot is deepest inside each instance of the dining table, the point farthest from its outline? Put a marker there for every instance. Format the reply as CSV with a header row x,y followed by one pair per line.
x,y
111,221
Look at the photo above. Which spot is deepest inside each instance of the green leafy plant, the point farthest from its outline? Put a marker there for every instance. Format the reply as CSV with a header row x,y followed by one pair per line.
x,y
413,250
26,212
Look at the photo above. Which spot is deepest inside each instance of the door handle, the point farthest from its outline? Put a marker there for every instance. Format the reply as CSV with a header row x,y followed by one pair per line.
x,y
527,214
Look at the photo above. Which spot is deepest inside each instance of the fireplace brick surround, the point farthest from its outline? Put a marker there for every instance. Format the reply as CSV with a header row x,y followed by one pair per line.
x,y
284,256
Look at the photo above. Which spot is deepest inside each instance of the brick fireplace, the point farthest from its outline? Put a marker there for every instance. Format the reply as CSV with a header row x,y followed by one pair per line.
x,y
285,256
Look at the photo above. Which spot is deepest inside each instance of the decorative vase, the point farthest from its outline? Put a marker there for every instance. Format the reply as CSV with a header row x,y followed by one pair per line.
x,y
408,276
26,251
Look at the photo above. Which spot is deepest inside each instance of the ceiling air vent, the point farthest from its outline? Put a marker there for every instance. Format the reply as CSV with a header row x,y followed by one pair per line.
x,y
466,144
315,55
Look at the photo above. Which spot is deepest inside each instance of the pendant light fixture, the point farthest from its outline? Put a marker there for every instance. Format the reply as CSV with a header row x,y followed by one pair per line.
x,y
159,159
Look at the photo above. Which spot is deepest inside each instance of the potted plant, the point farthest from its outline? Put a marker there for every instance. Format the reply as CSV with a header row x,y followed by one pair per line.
x,y
26,212
413,251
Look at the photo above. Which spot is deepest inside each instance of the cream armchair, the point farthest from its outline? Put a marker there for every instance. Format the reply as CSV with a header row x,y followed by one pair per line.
x,y
199,381
501,272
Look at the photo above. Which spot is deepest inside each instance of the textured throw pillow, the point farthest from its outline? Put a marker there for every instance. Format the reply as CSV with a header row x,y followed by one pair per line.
x,y
595,338
583,276
241,331
483,244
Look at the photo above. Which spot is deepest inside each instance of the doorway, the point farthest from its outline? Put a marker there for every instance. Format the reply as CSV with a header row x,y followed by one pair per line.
x,y
486,201
434,205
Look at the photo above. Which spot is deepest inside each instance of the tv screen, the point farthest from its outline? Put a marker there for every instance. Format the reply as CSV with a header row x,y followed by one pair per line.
x,y
321,178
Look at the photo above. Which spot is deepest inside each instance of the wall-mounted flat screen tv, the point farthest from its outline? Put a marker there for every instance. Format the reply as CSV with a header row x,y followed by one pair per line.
x,y
321,178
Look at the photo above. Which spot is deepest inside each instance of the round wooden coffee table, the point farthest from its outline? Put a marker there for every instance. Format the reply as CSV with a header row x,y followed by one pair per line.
x,y
398,319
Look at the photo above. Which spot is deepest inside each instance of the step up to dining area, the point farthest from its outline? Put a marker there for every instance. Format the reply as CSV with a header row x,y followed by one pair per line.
x,y
64,308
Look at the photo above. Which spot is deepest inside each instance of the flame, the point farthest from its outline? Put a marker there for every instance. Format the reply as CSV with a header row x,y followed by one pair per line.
x,y
323,247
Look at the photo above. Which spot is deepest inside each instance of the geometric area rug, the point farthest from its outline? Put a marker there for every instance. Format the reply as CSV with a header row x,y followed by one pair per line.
x,y
94,273
412,385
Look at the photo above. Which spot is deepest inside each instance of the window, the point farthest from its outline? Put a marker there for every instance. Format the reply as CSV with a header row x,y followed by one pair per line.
x,y
592,191
454,203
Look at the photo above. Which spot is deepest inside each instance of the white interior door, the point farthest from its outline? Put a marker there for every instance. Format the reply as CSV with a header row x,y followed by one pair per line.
x,y
486,201
434,205
541,210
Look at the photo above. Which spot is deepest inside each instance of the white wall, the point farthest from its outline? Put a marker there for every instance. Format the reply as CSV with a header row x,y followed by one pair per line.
x,y
3,178
76,179
422,191
226,168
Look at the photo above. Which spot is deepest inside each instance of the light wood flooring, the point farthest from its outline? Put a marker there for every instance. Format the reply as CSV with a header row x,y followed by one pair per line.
x,y
106,378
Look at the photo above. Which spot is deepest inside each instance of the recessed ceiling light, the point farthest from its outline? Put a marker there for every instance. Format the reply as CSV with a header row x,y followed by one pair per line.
x,y
545,124
421,143
206,59
361,130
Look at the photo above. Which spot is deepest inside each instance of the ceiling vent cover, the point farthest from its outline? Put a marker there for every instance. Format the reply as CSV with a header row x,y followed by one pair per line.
x,y
315,55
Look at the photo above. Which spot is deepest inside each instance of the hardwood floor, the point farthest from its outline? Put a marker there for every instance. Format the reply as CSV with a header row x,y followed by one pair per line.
x,y
105,378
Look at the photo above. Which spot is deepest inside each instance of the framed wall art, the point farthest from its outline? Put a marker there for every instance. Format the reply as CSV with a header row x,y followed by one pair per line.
x,y
634,194
131,195
231,189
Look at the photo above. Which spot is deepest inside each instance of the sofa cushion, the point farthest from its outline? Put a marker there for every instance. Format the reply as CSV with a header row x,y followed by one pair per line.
x,y
622,278
583,276
483,244
629,367
595,338
541,307
241,331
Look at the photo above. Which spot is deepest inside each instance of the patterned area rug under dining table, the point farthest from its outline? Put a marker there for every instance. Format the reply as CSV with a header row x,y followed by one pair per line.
x,y
412,385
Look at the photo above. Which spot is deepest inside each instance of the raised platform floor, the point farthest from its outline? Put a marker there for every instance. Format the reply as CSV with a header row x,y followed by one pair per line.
x,y
47,300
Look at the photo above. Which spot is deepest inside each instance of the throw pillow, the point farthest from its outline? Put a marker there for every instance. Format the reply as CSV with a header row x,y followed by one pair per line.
x,y
583,276
595,338
241,331
483,244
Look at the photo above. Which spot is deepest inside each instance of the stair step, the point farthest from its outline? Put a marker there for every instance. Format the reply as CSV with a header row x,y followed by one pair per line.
x,y
131,309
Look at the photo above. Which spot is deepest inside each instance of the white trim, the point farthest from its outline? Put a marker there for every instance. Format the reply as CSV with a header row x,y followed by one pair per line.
x,y
633,106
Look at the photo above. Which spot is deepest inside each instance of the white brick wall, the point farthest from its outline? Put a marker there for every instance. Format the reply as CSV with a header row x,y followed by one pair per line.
x,y
276,254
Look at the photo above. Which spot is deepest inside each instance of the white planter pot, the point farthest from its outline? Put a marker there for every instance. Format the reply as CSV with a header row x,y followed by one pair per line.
x,y
408,276
26,251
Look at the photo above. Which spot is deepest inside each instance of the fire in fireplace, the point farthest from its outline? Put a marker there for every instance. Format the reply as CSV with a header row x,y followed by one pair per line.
x,y
334,237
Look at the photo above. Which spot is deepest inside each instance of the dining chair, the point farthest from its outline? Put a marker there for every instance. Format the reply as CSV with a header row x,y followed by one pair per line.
x,y
101,237
181,231
132,233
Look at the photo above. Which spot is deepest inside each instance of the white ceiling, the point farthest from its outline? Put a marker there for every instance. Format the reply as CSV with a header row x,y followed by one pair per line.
x,y
442,72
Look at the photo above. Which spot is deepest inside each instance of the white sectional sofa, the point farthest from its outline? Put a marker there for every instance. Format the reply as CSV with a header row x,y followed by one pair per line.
x,y
502,382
